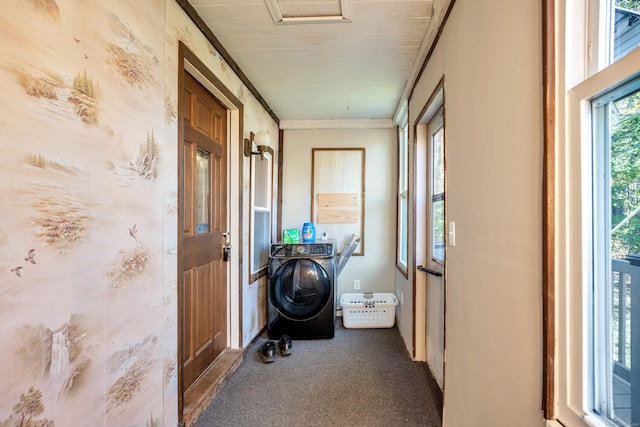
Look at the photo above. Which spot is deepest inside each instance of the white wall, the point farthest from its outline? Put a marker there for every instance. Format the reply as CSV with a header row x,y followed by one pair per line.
x,y
489,54
375,268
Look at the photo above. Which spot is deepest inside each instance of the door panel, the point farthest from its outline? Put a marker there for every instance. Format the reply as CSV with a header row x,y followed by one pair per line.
x,y
430,292
204,276
435,327
435,242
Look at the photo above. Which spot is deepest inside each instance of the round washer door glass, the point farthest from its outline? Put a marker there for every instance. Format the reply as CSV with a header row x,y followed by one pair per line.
x,y
300,289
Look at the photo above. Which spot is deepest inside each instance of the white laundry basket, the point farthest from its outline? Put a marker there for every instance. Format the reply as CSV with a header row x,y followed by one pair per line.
x,y
368,310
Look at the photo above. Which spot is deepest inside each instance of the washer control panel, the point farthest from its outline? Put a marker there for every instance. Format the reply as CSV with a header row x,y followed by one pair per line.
x,y
292,250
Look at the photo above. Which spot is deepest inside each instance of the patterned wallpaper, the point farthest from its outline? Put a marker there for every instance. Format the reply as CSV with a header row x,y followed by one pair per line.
x,y
88,217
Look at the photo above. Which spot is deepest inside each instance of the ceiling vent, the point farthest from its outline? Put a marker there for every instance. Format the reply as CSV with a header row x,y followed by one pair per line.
x,y
305,12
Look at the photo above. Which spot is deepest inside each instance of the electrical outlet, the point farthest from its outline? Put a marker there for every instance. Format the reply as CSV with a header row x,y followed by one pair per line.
x,y
356,285
401,298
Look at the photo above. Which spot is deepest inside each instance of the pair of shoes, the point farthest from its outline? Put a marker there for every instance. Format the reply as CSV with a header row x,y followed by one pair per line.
x,y
268,349
285,345
268,352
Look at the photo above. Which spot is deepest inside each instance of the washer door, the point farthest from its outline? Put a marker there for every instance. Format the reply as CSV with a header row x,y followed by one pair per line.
x,y
300,289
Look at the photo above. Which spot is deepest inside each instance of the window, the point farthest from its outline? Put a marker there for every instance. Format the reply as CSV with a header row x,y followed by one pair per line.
x,y
261,194
403,195
202,191
436,139
597,193
614,31
626,27
616,253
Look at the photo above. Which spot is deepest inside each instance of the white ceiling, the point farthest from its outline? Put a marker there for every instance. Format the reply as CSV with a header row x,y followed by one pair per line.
x,y
354,64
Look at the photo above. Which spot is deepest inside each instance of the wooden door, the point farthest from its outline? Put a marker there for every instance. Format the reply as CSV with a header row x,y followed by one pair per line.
x,y
204,217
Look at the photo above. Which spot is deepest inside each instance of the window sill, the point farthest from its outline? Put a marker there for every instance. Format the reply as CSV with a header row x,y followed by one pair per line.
x,y
258,274
593,420
403,270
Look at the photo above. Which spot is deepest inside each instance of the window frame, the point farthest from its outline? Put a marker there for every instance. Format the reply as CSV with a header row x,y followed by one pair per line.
x,y
567,330
256,273
435,125
601,390
402,229
598,242
599,49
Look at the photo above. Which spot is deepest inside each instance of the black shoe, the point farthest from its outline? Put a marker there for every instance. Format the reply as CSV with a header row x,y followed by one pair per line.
x,y
285,345
268,352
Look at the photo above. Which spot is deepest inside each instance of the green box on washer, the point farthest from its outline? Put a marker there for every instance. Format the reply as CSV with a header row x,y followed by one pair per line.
x,y
291,235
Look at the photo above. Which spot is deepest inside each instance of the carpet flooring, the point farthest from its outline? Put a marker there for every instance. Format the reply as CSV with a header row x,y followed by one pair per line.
x,y
362,377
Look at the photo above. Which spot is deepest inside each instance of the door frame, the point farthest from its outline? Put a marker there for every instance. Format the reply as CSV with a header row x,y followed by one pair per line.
x,y
421,203
189,62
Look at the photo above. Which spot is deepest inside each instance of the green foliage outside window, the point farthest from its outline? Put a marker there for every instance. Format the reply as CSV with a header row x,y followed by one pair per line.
x,y
625,175
625,167
629,4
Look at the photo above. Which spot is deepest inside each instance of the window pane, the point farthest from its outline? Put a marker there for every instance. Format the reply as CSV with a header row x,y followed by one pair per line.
x,y
403,154
262,222
437,190
617,257
403,229
203,191
438,230
626,27
404,161
261,184
438,161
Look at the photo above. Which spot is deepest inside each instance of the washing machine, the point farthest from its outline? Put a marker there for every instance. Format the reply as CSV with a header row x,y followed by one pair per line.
x,y
301,294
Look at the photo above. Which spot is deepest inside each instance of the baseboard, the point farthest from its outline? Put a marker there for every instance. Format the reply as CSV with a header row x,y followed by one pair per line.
x,y
198,397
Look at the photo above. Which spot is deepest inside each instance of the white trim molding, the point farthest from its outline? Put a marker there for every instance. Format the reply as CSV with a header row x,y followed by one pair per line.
x,y
336,124
280,19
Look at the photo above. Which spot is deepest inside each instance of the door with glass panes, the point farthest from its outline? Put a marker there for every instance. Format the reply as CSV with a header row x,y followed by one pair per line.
x,y
203,288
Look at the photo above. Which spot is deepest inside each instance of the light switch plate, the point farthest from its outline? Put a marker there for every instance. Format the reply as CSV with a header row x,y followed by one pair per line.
x,y
452,233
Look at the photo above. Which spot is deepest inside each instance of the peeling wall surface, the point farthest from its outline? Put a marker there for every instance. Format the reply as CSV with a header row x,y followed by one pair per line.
x,y
88,223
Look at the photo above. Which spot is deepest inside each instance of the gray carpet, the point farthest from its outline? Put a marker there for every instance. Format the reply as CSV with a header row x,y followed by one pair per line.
x,y
362,377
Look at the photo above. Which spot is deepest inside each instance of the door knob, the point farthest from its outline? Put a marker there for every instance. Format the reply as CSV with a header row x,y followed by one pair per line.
x,y
226,252
226,246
